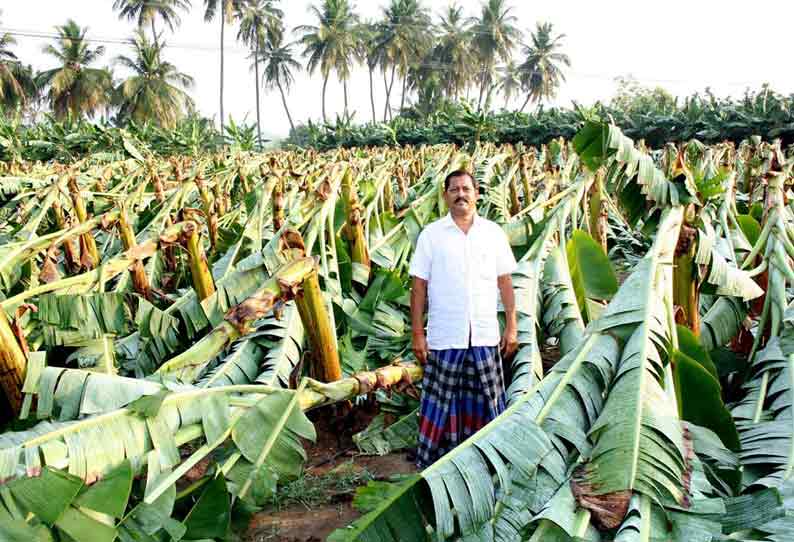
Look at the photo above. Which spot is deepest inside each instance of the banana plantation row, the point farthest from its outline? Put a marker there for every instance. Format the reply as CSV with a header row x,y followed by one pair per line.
x,y
162,314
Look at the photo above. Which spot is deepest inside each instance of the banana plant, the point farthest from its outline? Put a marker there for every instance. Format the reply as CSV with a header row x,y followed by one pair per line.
x,y
626,437
83,472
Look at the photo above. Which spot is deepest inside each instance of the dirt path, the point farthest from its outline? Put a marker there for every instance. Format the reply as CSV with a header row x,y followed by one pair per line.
x,y
311,522
312,507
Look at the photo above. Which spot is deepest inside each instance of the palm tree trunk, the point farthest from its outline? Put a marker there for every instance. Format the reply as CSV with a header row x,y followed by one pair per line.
x,y
488,96
223,17
154,33
386,88
372,96
405,84
388,94
525,103
344,89
286,109
482,91
256,71
325,84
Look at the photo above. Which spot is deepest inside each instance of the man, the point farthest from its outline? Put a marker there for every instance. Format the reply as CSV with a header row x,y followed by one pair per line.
x,y
459,262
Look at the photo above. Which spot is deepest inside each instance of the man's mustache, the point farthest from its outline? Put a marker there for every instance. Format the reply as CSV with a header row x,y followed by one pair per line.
x,y
460,199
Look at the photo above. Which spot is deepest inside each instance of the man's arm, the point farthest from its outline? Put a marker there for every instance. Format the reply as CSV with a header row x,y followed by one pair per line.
x,y
418,301
509,343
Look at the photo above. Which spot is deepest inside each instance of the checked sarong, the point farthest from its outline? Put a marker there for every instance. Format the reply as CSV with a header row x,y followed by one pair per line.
x,y
462,390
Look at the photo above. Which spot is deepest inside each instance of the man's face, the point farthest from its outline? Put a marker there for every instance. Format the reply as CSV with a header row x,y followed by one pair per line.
x,y
461,197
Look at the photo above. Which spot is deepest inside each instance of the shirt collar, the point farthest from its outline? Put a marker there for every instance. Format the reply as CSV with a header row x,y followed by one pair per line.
x,y
449,223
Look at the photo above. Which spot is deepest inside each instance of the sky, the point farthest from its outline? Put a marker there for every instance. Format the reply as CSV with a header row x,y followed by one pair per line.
x,y
683,46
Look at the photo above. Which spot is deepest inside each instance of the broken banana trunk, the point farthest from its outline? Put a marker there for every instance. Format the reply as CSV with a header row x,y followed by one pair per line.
x,y
72,251
197,258
209,207
140,282
359,252
686,295
12,364
189,365
325,365
89,255
278,202
397,377
598,211
105,272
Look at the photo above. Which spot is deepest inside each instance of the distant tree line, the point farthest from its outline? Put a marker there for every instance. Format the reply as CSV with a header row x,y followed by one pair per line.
x,y
648,114
418,61
651,115
440,79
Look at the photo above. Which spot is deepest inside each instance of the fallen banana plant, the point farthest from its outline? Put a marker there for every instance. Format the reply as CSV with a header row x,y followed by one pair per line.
x,y
175,394
148,424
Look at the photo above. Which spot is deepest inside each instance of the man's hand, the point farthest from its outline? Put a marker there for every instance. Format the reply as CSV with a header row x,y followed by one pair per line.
x,y
420,348
418,300
509,343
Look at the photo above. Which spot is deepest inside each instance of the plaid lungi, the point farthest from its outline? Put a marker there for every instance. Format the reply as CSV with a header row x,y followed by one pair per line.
x,y
462,390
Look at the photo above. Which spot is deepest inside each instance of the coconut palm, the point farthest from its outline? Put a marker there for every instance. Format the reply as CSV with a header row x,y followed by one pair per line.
x,y
404,39
495,37
144,12
331,44
74,87
425,79
228,10
260,23
509,81
279,66
155,90
541,71
15,76
16,80
454,50
9,86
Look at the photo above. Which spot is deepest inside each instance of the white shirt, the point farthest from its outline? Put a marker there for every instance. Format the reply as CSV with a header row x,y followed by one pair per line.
x,y
461,271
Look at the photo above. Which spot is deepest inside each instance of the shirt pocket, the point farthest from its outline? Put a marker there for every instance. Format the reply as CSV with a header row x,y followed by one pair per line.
x,y
485,263
449,268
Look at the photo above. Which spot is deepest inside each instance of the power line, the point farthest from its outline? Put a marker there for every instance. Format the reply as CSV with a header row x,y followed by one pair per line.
x,y
433,65
115,41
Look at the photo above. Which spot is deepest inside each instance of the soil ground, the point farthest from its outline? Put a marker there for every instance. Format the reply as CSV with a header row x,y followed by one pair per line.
x,y
321,501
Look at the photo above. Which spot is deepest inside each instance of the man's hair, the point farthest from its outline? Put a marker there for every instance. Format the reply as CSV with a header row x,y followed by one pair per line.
x,y
461,173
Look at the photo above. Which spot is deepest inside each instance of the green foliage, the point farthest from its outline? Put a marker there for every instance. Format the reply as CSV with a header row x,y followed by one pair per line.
x,y
615,419
393,514
211,515
61,500
591,272
69,140
155,91
399,435
750,227
698,390
634,98
313,490
701,116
